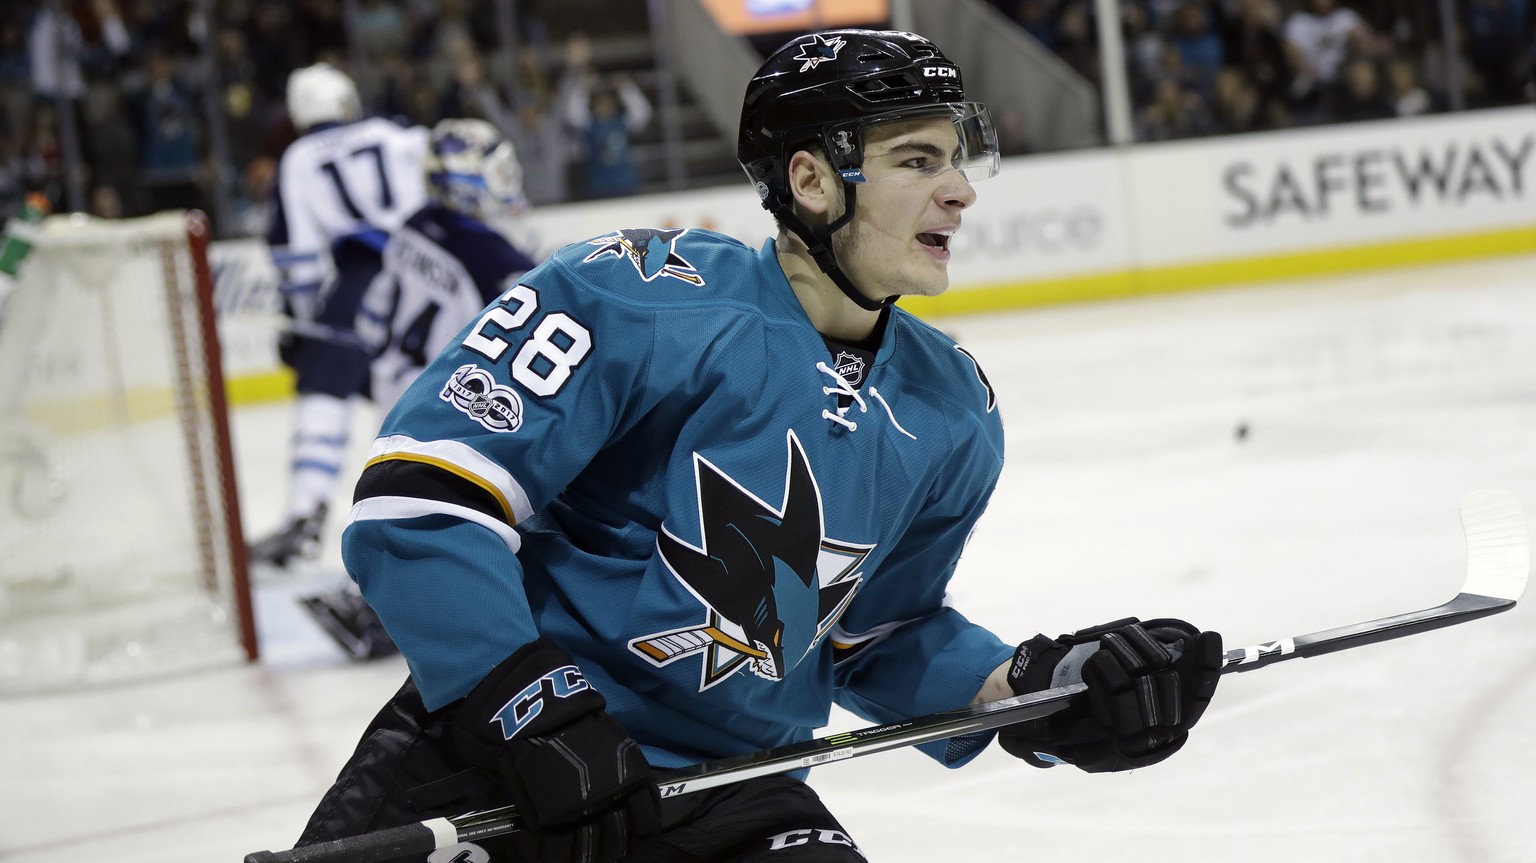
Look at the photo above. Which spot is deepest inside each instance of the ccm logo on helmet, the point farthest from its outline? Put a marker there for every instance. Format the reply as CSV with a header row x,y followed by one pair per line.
x,y
941,72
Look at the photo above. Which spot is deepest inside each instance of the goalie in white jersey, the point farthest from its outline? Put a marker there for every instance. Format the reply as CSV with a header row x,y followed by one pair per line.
x,y
343,186
447,262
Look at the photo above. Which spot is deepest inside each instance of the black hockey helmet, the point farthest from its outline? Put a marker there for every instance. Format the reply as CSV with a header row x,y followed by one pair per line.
x,y
825,88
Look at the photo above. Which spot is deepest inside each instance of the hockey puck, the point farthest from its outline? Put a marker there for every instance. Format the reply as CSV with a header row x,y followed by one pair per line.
x,y
1241,432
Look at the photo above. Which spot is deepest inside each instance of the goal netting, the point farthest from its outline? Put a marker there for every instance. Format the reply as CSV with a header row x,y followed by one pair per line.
x,y
120,547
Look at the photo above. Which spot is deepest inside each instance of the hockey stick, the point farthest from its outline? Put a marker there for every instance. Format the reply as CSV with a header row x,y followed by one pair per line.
x,y
1498,564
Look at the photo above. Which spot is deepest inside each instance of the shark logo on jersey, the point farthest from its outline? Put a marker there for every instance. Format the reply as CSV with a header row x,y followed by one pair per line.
x,y
819,50
653,251
771,581
472,390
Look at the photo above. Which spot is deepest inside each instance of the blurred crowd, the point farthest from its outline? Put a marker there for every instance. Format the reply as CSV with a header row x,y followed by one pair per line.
x,y
133,77
1220,67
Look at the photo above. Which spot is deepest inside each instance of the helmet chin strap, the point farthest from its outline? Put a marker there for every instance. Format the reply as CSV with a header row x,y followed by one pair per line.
x,y
819,242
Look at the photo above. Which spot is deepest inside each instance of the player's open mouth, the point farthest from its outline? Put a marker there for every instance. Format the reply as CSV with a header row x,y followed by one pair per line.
x,y
936,239
936,243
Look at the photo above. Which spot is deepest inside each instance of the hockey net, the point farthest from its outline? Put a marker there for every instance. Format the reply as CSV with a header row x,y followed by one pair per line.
x,y
121,554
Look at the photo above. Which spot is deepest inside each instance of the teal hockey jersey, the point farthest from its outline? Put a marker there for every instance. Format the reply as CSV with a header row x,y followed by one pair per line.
x,y
644,451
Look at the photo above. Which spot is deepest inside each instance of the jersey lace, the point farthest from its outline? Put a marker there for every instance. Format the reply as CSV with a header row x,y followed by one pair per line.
x,y
843,388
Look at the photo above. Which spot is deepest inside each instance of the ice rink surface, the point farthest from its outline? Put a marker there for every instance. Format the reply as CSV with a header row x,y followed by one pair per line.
x,y
1371,405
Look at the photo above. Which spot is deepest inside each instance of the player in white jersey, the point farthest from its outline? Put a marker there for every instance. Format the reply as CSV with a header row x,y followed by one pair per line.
x,y
342,187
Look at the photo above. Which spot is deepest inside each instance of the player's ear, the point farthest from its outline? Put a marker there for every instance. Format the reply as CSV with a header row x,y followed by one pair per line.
x,y
813,184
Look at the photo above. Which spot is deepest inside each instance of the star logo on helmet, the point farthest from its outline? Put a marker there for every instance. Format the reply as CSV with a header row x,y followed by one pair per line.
x,y
818,50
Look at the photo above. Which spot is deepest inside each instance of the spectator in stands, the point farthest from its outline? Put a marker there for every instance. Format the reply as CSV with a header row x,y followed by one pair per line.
x,y
1193,35
1175,112
605,112
1318,36
1143,47
1408,98
544,144
167,118
1171,68
59,49
544,147
1234,103
1358,95
1256,45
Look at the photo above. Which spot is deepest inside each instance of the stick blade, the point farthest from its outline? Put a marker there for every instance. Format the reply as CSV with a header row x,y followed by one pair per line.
x,y
1498,544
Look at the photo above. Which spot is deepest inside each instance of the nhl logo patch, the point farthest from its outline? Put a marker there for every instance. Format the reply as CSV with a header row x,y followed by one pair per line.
x,y
473,391
850,367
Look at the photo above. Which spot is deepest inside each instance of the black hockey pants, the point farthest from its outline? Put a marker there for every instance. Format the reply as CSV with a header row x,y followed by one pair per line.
x,y
774,819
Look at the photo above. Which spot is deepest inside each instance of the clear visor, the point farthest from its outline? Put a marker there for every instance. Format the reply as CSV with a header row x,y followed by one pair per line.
x,y
976,156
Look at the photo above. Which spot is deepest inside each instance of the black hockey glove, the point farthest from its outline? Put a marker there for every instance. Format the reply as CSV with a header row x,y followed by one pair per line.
x,y
1148,683
582,786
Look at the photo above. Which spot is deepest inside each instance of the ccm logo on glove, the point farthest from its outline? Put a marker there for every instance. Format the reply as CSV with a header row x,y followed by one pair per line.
x,y
579,782
515,715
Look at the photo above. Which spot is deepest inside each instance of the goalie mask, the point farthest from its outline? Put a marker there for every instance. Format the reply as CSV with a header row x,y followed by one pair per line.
x,y
322,94
473,170
822,91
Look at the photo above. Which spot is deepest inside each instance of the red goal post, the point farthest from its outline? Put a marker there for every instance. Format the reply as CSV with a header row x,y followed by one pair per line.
x,y
121,550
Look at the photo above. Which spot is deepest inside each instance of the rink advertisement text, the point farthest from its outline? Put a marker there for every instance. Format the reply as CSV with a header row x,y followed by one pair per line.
x,y
1367,186
1377,180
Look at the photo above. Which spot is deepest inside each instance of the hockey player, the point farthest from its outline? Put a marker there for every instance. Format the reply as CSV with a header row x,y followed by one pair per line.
x,y
671,497
342,186
447,263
